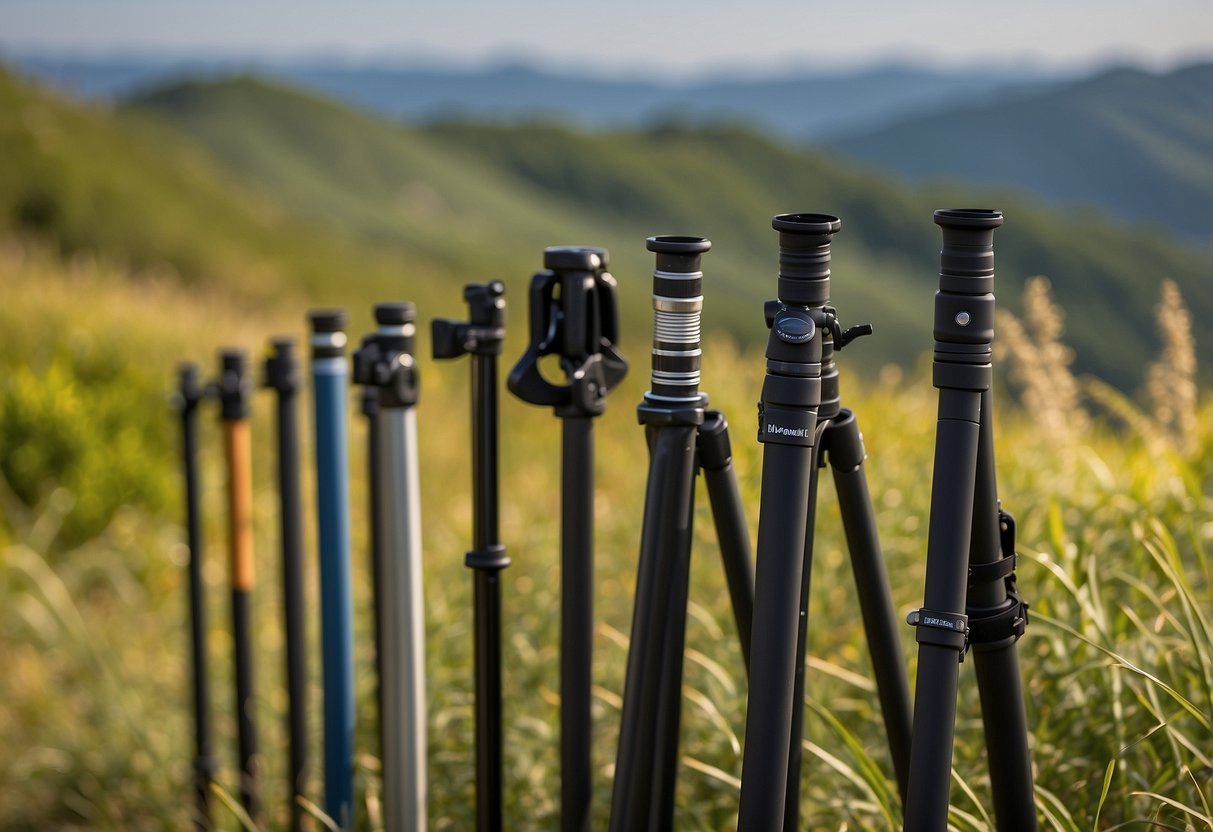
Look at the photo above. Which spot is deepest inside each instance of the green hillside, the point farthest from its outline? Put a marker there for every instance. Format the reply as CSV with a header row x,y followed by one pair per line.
x,y
1138,146
492,196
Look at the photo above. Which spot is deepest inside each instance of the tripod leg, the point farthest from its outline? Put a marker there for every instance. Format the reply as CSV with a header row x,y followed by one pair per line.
x,y
732,532
941,628
782,526
791,811
576,620
997,618
843,447
664,545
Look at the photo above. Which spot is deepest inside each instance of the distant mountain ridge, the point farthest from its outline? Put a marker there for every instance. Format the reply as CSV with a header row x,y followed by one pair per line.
x,y
799,105
507,191
1137,145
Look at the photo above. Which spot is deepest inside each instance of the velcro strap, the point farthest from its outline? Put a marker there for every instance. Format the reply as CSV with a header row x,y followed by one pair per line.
x,y
990,630
988,573
943,629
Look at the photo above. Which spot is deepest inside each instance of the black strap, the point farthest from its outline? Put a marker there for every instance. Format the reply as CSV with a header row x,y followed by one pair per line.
x,y
993,629
943,629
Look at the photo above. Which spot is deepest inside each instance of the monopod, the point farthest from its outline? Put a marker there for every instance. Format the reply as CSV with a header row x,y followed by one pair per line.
x,y
481,337
282,376
970,598
683,438
235,394
573,315
329,380
190,394
385,364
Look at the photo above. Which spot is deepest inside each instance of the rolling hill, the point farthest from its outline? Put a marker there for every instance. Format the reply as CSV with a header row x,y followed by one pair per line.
x,y
269,193
1138,146
508,190
797,104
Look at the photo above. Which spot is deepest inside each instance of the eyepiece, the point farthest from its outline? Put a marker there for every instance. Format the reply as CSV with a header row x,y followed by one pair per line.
x,y
677,307
966,261
964,304
804,257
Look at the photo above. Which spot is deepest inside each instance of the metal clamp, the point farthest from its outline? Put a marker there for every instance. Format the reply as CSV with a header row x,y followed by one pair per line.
x,y
943,629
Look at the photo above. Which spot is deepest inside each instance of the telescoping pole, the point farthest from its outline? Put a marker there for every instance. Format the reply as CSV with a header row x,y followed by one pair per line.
x,y
282,376
385,364
481,337
191,392
235,394
329,384
574,315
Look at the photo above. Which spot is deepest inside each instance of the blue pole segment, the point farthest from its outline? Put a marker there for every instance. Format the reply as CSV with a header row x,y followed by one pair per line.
x,y
330,381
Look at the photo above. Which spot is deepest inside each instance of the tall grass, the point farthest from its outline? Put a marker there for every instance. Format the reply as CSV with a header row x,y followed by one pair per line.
x,y
1114,528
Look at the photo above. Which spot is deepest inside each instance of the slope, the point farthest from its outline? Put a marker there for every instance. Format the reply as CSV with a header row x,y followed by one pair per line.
x,y
505,191
1136,145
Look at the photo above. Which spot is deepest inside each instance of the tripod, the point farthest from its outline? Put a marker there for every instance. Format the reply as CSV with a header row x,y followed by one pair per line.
x,y
386,366
970,551
190,394
282,376
481,338
802,426
234,389
573,315
683,437
329,376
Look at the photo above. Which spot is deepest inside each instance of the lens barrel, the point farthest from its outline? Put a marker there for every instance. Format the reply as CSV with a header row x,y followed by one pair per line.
x,y
677,307
804,257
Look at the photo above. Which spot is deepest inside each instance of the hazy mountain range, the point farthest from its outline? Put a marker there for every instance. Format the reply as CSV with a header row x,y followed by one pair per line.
x,y
337,206
1128,143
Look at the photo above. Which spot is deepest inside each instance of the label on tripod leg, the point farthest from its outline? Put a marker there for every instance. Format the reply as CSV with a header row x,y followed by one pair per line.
x,y
786,426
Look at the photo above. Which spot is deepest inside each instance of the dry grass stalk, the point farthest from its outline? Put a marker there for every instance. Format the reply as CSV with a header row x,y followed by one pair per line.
x,y
1039,363
1171,380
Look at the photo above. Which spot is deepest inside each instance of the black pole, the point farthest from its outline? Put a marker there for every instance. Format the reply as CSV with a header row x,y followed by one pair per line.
x,y
190,394
282,376
234,386
370,409
481,337
791,817
732,531
997,619
842,445
573,315
964,329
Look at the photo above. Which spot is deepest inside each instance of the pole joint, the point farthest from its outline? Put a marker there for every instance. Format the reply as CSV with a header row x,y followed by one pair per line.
x,y
385,358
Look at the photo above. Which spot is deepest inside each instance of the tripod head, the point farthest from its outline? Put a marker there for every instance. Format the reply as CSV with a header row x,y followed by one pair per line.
x,y
385,359
574,315
234,387
964,304
281,369
805,330
483,333
677,307
190,390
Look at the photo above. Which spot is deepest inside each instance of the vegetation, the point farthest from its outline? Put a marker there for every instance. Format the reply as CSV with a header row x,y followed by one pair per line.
x,y
1135,144
1115,524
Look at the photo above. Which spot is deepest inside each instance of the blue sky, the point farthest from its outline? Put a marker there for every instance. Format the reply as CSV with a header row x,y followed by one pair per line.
x,y
673,37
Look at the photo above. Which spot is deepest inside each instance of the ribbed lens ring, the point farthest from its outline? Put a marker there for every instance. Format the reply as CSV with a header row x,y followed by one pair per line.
x,y
677,311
